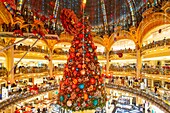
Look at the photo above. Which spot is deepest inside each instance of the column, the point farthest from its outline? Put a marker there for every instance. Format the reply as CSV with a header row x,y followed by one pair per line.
x,y
138,63
10,64
152,83
51,64
1,28
162,83
107,63
12,109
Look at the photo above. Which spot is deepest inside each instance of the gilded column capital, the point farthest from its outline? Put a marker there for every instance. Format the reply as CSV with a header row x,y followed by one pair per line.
x,y
106,42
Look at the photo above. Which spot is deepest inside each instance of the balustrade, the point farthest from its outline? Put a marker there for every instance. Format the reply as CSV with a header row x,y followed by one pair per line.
x,y
158,101
154,44
34,49
123,51
23,96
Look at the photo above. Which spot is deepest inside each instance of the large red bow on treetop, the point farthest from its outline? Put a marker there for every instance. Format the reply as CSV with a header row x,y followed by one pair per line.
x,y
11,2
70,21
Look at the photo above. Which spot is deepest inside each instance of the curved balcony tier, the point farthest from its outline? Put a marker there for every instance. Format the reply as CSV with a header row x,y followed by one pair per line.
x,y
17,98
159,102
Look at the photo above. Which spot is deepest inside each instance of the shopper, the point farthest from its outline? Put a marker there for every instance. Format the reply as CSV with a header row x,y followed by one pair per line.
x,y
156,89
38,110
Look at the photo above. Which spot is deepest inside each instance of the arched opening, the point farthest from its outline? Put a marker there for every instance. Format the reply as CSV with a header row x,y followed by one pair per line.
x,y
155,51
123,56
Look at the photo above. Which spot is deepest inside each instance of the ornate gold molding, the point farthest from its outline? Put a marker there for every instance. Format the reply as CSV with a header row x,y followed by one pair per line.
x,y
4,14
151,21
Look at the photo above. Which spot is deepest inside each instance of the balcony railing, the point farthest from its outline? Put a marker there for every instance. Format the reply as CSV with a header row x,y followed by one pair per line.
x,y
123,51
156,44
65,53
122,69
26,70
25,48
159,102
165,70
156,71
23,96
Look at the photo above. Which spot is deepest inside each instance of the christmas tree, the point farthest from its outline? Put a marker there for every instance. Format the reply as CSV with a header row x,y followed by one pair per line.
x,y
82,86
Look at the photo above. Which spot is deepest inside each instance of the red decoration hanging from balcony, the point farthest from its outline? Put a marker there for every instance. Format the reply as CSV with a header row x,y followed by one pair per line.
x,y
120,55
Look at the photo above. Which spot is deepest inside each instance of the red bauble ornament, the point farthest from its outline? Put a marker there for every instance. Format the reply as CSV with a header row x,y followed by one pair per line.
x,y
81,35
100,79
94,88
79,66
43,18
77,90
66,81
74,86
72,55
52,4
79,95
92,81
77,41
88,54
120,55
79,24
75,73
78,104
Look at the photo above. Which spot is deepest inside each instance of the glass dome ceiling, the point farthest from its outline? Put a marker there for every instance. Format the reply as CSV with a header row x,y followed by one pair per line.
x,y
115,9
103,14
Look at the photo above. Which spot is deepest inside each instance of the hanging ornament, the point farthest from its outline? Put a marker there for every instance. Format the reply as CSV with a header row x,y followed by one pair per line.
x,y
83,72
74,81
85,96
52,4
77,89
81,86
73,68
95,102
92,81
74,86
68,95
77,108
81,36
69,103
79,24
61,98
120,55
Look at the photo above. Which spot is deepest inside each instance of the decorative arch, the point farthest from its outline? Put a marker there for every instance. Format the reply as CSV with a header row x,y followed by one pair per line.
x,y
119,36
152,21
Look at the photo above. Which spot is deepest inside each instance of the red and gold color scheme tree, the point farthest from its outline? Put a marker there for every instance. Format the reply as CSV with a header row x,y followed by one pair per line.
x,y
82,86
